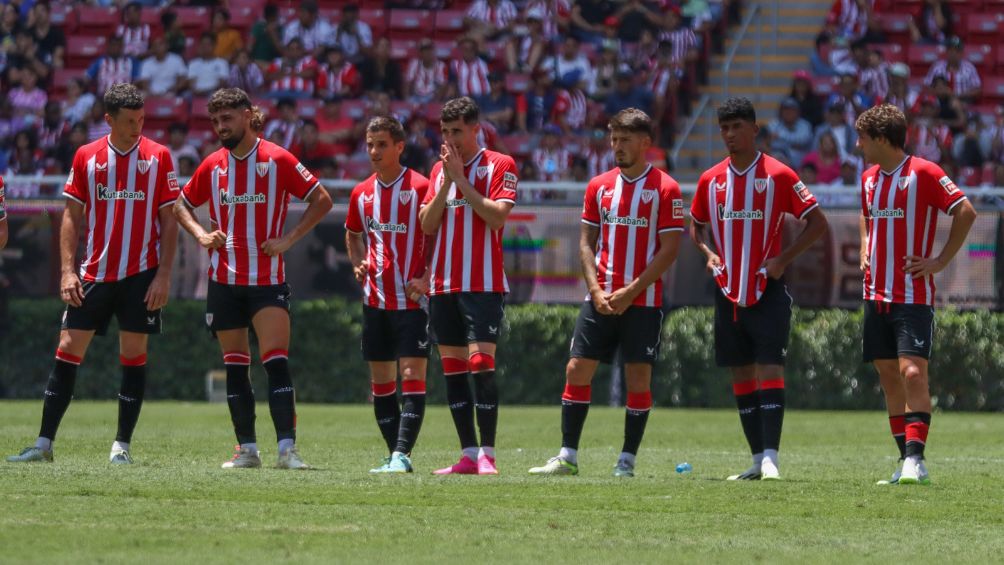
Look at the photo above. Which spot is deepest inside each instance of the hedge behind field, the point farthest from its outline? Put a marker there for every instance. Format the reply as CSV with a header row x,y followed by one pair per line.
x,y
824,369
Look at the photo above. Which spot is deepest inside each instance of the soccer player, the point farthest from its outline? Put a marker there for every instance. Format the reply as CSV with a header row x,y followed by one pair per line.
x,y
391,265
121,188
900,199
248,183
743,200
472,190
632,218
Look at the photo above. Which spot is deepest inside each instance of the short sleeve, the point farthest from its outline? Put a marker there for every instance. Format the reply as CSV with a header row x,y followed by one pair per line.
x,y
504,181
591,205
167,183
794,196
430,188
863,189
76,183
196,192
354,218
670,206
294,177
699,206
941,190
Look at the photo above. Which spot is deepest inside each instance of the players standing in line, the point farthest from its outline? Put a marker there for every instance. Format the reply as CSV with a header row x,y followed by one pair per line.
x,y
390,263
632,218
471,192
743,200
247,184
121,187
3,215
900,199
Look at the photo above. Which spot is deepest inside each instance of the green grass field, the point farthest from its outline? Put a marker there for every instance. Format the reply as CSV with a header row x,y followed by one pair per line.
x,y
177,505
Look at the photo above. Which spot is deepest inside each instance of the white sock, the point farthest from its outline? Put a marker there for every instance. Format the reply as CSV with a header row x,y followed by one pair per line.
x,y
770,454
471,453
253,447
44,443
397,454
627,457
285,445
120,445
757,459
570,455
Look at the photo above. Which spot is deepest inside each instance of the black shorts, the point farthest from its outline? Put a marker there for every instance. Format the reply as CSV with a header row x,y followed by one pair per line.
x,y
231,307
389,335
755,334
637,331
123,299
461,318
894,330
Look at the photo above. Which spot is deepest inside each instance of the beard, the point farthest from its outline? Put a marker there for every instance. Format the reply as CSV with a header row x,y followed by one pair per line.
x,y
232,141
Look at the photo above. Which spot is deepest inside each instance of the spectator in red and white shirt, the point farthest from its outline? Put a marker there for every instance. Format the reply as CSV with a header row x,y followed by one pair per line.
x,y
134,33
599,156
27,99
354,35
529,45
314,31
901,94
470,72
113,67
491,19
874,76
426,77
852,19
283,129
293,75
929,137
553,160
571,108
961,73
556,15
682,39
337,75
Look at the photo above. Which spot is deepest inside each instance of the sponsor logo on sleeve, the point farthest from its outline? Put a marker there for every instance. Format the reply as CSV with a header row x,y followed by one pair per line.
x,y
172,180
509,181
948,185
303,172
69,179
677,209
802,191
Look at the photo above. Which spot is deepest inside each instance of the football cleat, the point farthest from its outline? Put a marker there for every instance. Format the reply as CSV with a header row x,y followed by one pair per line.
x,y
465,466
751,474
398,463
623,469
556,466
120,457
486,465
243,459
914,472
895,475
291,460
769,470
31,455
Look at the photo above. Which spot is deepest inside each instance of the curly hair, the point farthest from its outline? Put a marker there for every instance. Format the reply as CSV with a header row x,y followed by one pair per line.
x,y
883,121
737,108
632,120
123,95
237,99
463,108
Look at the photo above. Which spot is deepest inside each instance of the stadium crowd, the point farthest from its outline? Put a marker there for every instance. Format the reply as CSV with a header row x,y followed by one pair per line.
x,y
547,74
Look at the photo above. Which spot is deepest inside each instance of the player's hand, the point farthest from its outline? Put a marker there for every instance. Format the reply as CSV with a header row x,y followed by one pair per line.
x,y
601,301
417,288
774,268
275,246
360,270
922,266
865,263
453,164
621,300
70,289
714,264
213,240
157,293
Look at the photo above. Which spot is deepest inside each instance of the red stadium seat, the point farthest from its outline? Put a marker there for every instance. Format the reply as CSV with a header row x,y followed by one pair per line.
x,y
920,57
983,28
244,17
521,145
308,108
95,20
287,14
200,108
982,56
151,17
199,136
376,18
194,19
412,24
331,15
896,27
403,49
431,112
81,50
449,24
402,109
357,169
969,176
891,52
987,174
517,83
966,7
993,89
446,49
63,15
354,109
61,78
162,111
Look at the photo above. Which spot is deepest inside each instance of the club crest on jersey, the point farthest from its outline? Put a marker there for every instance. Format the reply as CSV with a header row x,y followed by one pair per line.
x,y
405,196
105,193
802,191
647,196
482,172
728,215
903,183
609,218
143,166
948,185
262,168
677,209
227,200
760,185
373,225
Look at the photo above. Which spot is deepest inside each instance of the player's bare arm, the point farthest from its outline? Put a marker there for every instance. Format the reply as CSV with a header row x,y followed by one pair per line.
x,y
493,213
863,232
431,215
356,246
815,226
589,236
208,240
70,289
669,248
160,288
419,286
699,235
963,216
318,204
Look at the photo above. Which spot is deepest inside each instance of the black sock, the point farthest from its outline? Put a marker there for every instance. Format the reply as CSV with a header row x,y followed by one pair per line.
x,y
574,409
639,404
131,396
281,397
897,424
748,402
461,401
487,394
387,412
772,412
412,414
240,396
58,393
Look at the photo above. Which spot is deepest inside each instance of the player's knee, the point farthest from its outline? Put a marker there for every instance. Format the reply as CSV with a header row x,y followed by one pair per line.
x,y
577,372
411,372
911,374
481,362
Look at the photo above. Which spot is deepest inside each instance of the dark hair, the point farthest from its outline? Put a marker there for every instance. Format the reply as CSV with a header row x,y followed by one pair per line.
x,y
308,122
236,99
351,8
285,103
122,95
737,108
632,120
463,108
271,11
168,18
883,121
387,124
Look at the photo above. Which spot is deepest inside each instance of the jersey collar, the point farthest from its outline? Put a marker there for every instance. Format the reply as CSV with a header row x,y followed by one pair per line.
x,y
122,153
393,182
474,158
643,174
251,151
898,167
748,168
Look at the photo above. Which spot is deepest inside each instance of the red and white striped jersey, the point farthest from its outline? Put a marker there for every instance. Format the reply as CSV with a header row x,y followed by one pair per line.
x,y
928,139
248,199
488,136
682,39
659,79
552,165
3,206
109,71
425,81
122,193
500,15
388,213
962,79
874,81
901,208
631,213
850,19
599,161
334,81
293,82
467,256
573,105
550,10
135,40
748,208
472,77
